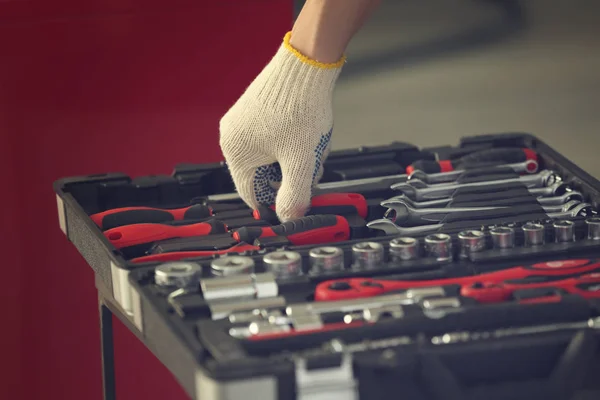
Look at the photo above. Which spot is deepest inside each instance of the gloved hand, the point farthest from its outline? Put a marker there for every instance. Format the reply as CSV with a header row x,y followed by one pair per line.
x,y
277,135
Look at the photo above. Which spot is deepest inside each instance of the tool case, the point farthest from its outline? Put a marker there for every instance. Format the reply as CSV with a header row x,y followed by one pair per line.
x,y
475,276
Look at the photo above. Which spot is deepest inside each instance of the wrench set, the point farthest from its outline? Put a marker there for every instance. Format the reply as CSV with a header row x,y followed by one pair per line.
x,y
419,251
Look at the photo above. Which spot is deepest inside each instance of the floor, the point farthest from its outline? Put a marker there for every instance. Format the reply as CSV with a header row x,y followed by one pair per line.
x,y
431,72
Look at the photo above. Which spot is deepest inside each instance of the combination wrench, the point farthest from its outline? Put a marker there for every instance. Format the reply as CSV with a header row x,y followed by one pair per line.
x,y
541,179
528,167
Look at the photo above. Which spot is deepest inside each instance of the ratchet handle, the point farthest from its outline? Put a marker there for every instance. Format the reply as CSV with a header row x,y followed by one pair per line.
x,y
138,215
478,159
344,289
331,203
136,234
313,229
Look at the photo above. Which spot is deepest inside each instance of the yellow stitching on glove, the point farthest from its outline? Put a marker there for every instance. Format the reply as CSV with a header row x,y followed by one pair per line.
x,y
306,60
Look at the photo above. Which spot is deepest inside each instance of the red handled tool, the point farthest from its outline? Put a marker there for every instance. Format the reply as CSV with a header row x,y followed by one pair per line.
x,y
353,288
136,234
313,229
137,215
478,159
331,203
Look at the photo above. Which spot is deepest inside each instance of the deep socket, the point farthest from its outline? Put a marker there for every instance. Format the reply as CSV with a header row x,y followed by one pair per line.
x,y
439,246
564,231
177,274
503,237
232,265
471,241
533,234
593,226
367,255
326,259
283,264
404,249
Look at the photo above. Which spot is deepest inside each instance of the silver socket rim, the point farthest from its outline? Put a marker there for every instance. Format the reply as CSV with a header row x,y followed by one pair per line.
x,y
433,242
404,248
176,273
275,260
593,225
503,237
232,265
564,231
534,234
366,255
471,241
326,259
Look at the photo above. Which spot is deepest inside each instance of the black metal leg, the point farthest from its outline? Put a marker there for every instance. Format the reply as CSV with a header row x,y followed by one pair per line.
x,y
108,352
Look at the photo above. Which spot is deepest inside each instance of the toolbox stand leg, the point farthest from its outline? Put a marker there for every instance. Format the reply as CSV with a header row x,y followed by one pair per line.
x,y
108,353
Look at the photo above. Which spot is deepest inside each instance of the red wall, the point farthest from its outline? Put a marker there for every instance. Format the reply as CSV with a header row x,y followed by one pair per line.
x,y
142,84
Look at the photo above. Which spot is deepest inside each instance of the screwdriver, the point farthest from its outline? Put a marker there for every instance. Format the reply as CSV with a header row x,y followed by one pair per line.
x,y
136,234
478,159
135,215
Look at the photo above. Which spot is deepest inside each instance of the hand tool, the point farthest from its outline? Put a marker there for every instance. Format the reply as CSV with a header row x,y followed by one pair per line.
x,y
528,167
179,255
326,259
587,286
478,159
283,264
135,215
367,255
136,234
503,237
243,308
240,287
533,234
439,246
557,201
232,265
331,203
355,288
564,231
541,179
404,249
471,241
177,274
593,225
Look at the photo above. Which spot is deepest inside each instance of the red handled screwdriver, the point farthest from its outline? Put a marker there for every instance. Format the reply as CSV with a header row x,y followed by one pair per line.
x,y
355,288
137,215
136,234
478,159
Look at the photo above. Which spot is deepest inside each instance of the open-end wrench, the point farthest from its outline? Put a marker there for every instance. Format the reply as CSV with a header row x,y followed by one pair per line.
x,y
390,228
541,179
528,166
406,215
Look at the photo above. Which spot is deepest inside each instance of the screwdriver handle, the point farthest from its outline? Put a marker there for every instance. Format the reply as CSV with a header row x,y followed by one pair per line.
x,y
313,229
138,215
478,159
132,235
330,203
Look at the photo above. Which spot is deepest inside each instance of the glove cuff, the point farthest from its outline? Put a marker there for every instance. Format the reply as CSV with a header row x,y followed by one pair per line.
x,y
307,60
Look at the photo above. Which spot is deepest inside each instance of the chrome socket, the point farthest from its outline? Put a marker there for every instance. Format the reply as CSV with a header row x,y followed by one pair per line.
x,y
367,255
593,226
232,265
564,231
236,287
177,274
326,259
533,234
283,264
439,246
404,249
503,237
471,241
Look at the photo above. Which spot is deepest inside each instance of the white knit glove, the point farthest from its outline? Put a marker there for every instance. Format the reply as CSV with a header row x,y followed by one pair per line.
x,y
277,135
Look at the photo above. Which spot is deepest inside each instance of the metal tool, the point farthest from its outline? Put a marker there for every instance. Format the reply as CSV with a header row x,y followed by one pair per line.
x,y
580,210
439,246
541,179
283,264
593,226
240,311
390,228
237,287
471,241
529,167
534,234
326,259
404,249
232,265
503,237
564,231
177,274
367,255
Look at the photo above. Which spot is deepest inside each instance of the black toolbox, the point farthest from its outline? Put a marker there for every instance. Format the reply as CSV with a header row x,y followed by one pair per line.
x,y
510,309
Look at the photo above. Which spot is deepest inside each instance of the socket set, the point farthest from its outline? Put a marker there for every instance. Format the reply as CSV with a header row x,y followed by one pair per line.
x,y
419,254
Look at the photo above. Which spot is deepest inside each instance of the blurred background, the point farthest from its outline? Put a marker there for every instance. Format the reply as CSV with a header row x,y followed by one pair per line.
x,y
137,86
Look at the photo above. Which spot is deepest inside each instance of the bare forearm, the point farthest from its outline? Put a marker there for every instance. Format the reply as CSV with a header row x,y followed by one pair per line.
x,y
325,27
